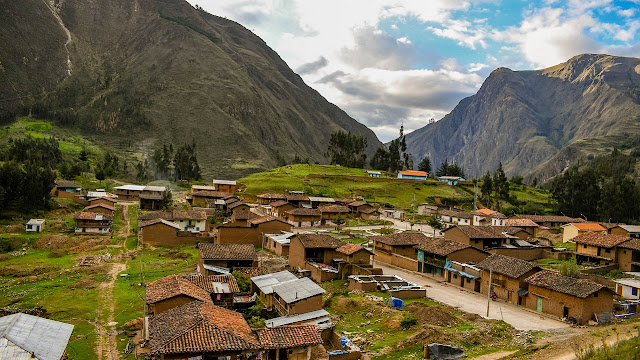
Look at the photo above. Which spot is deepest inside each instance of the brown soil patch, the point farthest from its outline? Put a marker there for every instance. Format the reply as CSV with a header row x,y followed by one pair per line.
x,y
4,257
93,244
432,314
23,271
427,335
12,229
56,242
393,322
85,283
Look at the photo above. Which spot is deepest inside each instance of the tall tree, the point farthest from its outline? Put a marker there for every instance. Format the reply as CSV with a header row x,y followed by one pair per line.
x,y
347,149
425,165
500,186
380,159
186,163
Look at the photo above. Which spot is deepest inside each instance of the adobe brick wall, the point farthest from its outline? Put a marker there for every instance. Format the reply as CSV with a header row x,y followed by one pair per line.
x,y
240,235
160,234
64,194
168,304
624,259
409,294
582,309
456,235
508,291
369,286
527,254
273,227
360,257
296,253
404,262
307,305
468,255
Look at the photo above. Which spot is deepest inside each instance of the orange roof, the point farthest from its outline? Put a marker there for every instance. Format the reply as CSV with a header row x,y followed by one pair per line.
x,y
414,173
589,226
486,211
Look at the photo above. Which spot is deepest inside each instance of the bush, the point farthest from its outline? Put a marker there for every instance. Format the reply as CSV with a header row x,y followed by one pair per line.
x,y
569,269
256,322
408,321
243,280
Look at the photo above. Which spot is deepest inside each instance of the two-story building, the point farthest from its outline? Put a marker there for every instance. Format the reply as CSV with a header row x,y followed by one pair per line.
x,y
433,254
453,217
594,247
571,230
214,259
92,223
488,217
481,237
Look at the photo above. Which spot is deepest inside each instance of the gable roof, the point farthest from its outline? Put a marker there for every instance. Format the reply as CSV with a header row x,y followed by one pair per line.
x,y
189,215
244,215
297,197
414,173
265,219
588,226
595,238
146,223
87,215
271,196
441,246
235,204
548,218
211,194
457,214
209,251
25,335
298,289
108,207
66,184
350,249
333,209
506,265
304,212
481,232
266,282
167,215
485,212
199,327
103,198
283,337
281,203
633,244
320,241
215,284
171,286
554,281
632,229
225,182
520,222
405,238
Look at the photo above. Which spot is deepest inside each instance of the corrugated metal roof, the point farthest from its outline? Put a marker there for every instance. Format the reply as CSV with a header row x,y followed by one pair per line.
x,y
224,182
629,282
284,238
35,222
130,187
631,228
288,320
23,335
321,199
296,290
266,282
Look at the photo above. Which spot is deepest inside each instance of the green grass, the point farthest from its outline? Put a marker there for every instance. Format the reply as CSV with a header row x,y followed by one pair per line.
x,y
341,182
627,349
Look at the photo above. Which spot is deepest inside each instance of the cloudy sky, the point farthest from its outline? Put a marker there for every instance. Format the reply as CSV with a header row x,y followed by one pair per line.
x,y
387,62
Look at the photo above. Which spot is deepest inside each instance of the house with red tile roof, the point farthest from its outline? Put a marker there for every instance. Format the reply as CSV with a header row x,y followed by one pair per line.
x,y
571,230
92,222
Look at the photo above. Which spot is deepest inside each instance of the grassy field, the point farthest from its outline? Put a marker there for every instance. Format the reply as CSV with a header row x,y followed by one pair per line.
x,y
341,182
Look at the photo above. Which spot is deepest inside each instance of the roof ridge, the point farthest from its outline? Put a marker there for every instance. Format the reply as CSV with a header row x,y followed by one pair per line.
x,y
189,328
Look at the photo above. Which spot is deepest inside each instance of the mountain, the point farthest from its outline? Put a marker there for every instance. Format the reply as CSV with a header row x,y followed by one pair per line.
x,y
137,74
539,122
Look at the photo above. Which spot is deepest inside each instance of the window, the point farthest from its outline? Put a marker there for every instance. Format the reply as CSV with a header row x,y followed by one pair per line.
x,y
606,250
584,246
634,291
595,294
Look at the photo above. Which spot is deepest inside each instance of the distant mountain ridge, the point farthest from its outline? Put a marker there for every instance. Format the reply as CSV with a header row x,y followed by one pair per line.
x,y
144,73
537,123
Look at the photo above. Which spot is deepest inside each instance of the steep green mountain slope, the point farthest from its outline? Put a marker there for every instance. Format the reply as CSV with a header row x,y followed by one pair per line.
x,y
142,73
539,122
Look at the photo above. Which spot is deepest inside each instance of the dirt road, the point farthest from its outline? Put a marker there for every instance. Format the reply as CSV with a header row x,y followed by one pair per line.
x,y
476,303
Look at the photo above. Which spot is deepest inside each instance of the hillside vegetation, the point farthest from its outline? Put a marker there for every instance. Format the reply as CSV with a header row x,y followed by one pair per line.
x,y
341,182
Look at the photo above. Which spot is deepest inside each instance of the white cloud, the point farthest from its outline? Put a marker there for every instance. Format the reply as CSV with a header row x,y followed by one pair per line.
x,y
475,67
463,31
404,40
627,12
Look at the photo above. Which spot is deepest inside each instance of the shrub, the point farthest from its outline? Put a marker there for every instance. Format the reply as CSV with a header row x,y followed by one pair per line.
x,y
243,280
408,321
569,269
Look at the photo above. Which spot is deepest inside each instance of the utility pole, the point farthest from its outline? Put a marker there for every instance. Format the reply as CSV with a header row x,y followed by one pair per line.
x,y
475,196
489,291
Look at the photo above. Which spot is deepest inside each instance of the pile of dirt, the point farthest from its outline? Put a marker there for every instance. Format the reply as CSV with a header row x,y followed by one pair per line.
x,y
432,314
133,325
11,229
56,242
426,335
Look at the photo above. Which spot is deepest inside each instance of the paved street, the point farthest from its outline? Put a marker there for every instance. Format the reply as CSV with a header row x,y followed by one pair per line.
x,y
476,303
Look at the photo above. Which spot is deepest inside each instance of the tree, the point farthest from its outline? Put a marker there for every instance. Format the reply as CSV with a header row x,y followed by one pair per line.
x,y
338,220
435,222
450,169
141,170
425,165
500,186
167,200
380,159
84,156
100,175
486,189
347,149
186,163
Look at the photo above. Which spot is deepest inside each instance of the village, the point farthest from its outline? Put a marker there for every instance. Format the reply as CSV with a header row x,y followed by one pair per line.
x,y
294,276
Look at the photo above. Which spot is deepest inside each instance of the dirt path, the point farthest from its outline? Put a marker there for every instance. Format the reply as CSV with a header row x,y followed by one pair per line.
x,y
494,356
106,342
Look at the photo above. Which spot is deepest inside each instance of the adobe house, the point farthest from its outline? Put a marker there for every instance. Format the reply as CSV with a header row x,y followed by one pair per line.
x,y
632,231
103,200
527,225
629,255
571,230
280,208
221,288
263,285
268,198
325,255
241,218
213,257
92,223
151,201
65,189
128,192
433,254
596,247
187,332
278,243
238,206
251,232
304,217
320,201
100,208
228,186
172,291
191,220
566,297
357,207
386,247
298,199
203,198
297,296
370,214
329,212
481,237
508,277
465,275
